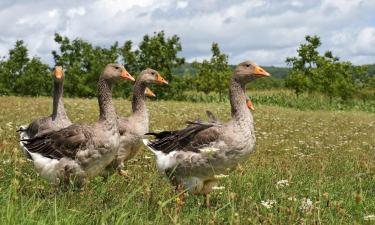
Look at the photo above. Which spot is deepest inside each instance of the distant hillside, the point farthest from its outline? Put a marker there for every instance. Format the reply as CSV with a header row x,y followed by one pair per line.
x,y
187,69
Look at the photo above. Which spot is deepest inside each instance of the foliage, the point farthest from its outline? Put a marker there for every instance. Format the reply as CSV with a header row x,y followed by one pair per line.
x,y
213,75
83,63
156,52
364,100
22,75
323,73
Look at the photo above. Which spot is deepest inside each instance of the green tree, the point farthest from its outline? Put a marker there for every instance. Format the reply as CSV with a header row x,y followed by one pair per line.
x,y
20,75
213,75
157,52
325,73
36,79
83,64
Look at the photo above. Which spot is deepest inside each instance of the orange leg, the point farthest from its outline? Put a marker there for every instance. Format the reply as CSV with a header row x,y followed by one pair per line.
x,y
180,200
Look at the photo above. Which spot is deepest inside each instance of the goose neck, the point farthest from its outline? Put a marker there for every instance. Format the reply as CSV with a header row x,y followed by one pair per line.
x,y
107,110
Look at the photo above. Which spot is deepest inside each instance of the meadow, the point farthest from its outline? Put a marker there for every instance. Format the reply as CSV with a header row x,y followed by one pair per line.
x,y
309,167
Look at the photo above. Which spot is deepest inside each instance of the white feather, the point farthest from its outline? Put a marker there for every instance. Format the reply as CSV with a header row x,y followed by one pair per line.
x,y
164,161
23,135
46,167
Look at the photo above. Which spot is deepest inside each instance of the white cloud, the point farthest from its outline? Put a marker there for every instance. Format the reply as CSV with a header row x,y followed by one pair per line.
x,y
73,12
264,31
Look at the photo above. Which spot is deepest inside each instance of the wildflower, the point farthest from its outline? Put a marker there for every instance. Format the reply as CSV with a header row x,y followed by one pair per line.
x,y
282,183
369,217
219,176
294,199
268,203
218,188
306,205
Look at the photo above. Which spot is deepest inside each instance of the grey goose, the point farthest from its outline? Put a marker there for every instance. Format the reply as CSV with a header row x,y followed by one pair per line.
x,y
133,128
191,157
81,151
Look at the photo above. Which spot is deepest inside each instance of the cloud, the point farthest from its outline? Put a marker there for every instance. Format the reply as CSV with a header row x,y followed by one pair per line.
x,y
264,31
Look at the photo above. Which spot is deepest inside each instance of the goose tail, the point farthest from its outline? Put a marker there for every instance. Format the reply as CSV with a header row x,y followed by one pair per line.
x,y
147,143
24,136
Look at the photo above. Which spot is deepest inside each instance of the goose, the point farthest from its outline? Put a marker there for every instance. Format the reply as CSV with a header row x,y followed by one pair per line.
x,y
58,119
80,151
191,157
133,128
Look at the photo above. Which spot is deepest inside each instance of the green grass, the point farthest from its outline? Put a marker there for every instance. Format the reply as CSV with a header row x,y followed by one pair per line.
x,y
286,98
326,156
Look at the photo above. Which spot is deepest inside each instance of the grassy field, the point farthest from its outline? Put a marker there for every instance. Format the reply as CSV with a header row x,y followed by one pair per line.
x,y
310,167
364,101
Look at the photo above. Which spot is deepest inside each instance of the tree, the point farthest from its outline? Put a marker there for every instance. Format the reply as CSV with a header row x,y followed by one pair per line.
x,y
20,75
323,73
213,75
156,52
83,64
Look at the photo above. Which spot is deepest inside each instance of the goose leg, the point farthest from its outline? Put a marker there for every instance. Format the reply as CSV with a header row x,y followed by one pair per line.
x,y
180,200
207,200
207,188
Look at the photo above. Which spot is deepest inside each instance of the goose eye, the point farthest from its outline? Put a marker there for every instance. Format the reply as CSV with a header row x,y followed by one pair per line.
x,y
153,73
116,67
248,65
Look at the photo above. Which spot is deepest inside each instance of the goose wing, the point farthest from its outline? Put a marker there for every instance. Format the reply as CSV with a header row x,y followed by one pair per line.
x,y
58,144
194,137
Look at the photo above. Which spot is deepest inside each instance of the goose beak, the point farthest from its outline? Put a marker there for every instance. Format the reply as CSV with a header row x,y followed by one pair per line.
x,y
58,72
250,104
161,80
149,93
260,72
126,75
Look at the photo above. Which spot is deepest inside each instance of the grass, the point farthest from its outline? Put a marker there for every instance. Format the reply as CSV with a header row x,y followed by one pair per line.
x,y
287,98
327,158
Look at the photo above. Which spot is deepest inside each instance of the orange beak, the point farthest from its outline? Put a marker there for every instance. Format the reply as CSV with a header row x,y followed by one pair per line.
x,y
260,72
250,104
161,80
126,75
58,72
149,93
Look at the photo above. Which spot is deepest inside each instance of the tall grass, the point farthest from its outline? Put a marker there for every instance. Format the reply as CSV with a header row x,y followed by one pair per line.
x,y
286,98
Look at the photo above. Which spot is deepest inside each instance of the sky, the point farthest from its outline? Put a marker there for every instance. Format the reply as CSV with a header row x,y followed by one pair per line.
x,y
265,31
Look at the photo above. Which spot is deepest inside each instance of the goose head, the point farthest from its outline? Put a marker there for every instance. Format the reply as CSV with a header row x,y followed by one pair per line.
x,y
116,71
58,74
150,76
248,71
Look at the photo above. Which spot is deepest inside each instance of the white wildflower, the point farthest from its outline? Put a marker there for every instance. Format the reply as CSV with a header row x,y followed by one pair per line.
x,y
220,176
268,203
218,188
306,205
369,217
282,183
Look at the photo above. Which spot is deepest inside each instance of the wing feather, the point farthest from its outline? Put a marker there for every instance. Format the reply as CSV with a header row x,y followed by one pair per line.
x,y
195,136
58,144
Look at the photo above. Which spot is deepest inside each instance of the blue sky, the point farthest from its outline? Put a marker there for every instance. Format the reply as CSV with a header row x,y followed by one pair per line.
x,y
265,31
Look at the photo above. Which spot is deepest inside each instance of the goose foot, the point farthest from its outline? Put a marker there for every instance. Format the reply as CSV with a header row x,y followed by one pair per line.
x,y
124,173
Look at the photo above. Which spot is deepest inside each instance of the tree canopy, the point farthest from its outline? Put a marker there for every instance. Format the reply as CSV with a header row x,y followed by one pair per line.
x,y
325,73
